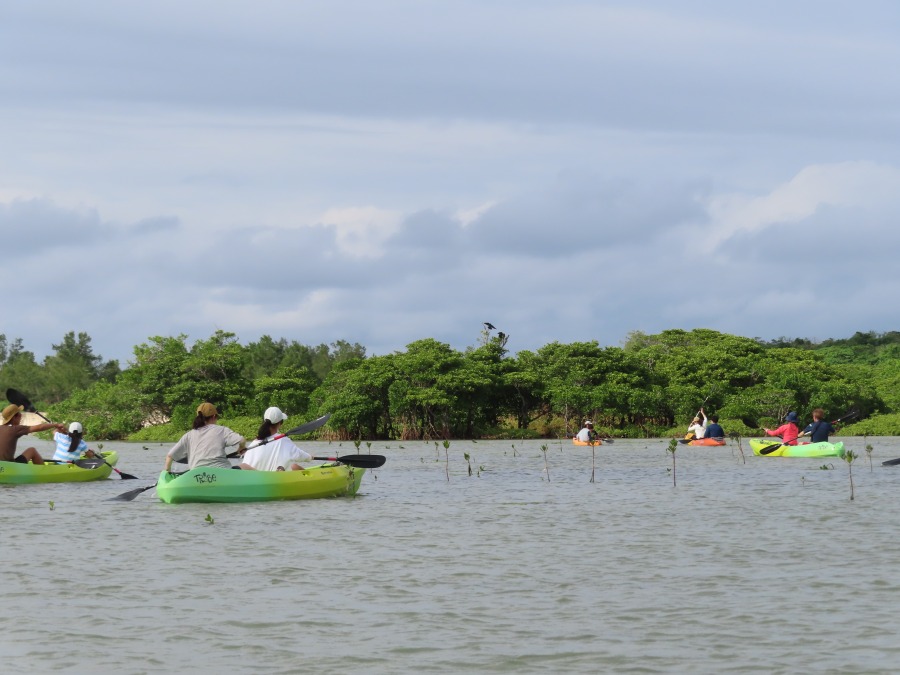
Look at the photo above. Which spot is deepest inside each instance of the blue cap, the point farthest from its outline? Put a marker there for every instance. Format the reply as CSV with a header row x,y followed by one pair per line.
x,y
791,417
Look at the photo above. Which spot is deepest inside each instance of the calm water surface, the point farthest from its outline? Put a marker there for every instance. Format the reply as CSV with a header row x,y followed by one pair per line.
x,y
764,566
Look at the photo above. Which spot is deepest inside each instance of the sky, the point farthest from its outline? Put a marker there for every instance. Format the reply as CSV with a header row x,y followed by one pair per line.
x,y
384,172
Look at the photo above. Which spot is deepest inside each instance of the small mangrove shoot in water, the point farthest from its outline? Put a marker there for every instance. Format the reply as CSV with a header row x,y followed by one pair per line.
x,y
52,505
546,465
869,449
849,456
735,436
673,446
447,458
468,461
594,443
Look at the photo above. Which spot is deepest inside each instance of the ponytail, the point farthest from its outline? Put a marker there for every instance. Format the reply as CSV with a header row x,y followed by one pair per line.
x,y
76,441
265,430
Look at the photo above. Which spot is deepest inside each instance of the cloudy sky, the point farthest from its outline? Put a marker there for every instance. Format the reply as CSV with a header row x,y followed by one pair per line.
x,y
382,172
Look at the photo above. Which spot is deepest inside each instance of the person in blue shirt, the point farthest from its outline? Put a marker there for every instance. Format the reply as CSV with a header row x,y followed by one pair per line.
x,y
819,429
714,429
71,445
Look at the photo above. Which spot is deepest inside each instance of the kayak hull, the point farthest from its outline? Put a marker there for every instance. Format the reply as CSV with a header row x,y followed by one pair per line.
x,y
707,441
824,449
575,441
17,473
218,485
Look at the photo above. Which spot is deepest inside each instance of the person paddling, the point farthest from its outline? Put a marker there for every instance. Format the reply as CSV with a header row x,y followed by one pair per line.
x,y
272,451
12,429
697,429
819,428
714,429
587,433
789,431
71,445
205,444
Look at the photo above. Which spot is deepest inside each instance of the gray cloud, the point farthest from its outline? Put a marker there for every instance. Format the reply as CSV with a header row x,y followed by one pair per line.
x,y
567,170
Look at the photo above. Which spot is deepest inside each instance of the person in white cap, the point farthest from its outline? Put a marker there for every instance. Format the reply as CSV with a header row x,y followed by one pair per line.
x,y
71,445
12,429
587,433
273,451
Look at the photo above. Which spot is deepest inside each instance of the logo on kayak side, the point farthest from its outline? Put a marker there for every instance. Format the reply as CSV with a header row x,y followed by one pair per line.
x,y
205,477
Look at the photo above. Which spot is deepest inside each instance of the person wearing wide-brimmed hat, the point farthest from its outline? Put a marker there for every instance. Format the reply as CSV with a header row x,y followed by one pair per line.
x,y
272,451
697,429
11,430
788,431
205,444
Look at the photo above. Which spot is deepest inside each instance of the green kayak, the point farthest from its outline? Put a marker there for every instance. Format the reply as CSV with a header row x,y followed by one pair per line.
x,y
214,484
774,448
85,469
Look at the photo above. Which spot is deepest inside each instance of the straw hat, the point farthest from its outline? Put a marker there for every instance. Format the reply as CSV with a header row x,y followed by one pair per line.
x,y
11,411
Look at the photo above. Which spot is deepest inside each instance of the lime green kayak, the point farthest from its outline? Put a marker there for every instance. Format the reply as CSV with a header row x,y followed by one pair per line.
x,y
773,448
214,484
85,469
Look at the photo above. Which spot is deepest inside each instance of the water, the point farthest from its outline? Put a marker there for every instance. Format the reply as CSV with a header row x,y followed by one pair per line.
x,y
759,567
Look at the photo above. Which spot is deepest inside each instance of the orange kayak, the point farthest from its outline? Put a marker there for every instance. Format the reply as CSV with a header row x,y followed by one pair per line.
x,y
575,441
707,441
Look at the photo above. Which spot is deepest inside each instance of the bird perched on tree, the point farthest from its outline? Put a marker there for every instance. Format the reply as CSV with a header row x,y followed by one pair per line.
x,y
489,325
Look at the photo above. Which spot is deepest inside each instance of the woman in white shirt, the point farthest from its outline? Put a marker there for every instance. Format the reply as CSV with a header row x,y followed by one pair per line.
x,y
697,428
272,451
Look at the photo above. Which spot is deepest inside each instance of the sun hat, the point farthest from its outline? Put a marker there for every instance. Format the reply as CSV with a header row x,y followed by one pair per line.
x,y
11,411
274,415
791,417
207,409
76,428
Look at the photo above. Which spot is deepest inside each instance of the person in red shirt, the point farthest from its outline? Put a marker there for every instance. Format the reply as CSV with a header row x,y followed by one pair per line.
x,y
788,431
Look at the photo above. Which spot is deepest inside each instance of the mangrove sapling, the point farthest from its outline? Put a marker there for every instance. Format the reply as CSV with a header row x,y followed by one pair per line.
x,y
673,446
209,519
369,446
869,455
593,458
849,456
447,458
468,461
514,449
737,437
52,505
546,465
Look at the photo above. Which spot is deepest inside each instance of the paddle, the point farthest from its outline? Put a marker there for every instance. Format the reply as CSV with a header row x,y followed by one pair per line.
x,y
296,431
769,449
358,461
18,398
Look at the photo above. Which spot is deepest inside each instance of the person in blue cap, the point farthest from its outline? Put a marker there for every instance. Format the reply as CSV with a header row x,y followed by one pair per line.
x,y
788,431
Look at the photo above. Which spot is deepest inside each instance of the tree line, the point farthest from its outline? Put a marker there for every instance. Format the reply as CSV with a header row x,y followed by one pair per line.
x,y
650,386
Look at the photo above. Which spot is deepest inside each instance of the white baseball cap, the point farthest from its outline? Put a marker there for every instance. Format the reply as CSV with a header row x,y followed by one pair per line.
x,y
274,415
76,428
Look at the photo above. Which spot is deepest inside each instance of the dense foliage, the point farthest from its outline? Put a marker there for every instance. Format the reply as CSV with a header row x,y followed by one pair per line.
x,y
651,386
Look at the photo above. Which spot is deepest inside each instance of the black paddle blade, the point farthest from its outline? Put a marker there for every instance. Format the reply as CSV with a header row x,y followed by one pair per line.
x,y
891,462
131,494
125,476
769,449
309,426
18,398
359,461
